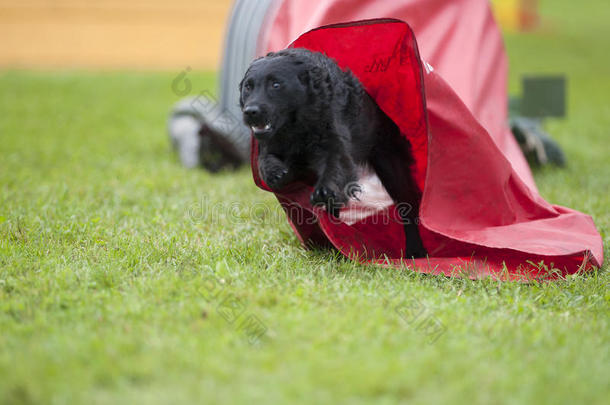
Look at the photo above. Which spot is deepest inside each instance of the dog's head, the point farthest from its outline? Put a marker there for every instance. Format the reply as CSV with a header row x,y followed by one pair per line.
x,y
274,89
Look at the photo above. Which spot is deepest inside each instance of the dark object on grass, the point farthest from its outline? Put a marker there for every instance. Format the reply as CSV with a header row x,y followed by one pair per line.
x,y
313,120
543,97
217,152
537,146
197,134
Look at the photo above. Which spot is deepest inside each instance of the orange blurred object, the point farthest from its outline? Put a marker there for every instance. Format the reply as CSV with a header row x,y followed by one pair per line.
x,y
112,34
517,15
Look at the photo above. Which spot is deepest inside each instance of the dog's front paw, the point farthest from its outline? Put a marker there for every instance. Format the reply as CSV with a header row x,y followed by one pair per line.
x,y
276,179
332,200
274,175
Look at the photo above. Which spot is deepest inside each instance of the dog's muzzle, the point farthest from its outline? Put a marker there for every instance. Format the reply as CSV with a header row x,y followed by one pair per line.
x,y
254,118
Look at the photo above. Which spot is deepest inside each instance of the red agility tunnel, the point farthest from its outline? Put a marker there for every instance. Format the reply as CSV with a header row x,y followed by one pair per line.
x,y
480,211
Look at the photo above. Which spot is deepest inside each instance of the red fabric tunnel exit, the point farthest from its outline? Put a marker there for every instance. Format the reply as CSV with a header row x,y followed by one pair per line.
x,y
480,210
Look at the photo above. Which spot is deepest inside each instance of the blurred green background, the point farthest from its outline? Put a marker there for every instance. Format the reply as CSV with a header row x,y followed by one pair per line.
x,y
108,249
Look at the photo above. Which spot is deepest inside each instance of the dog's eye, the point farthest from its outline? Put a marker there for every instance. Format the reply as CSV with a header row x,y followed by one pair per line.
x,y
247,86
275,85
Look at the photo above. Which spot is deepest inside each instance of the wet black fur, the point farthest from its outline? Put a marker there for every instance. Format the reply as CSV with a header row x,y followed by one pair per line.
x,y
323,124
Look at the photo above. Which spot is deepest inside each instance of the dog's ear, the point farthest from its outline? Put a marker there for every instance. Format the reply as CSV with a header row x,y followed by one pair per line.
x,y
313,79
241,86
241,97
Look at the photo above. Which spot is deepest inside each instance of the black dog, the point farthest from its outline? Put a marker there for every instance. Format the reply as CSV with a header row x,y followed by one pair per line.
x,y
313,120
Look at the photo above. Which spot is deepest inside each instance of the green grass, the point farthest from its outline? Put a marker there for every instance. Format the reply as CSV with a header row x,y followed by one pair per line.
x,y
109,250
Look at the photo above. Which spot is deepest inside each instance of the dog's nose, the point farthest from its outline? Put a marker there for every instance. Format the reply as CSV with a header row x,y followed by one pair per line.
x,y
252,111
